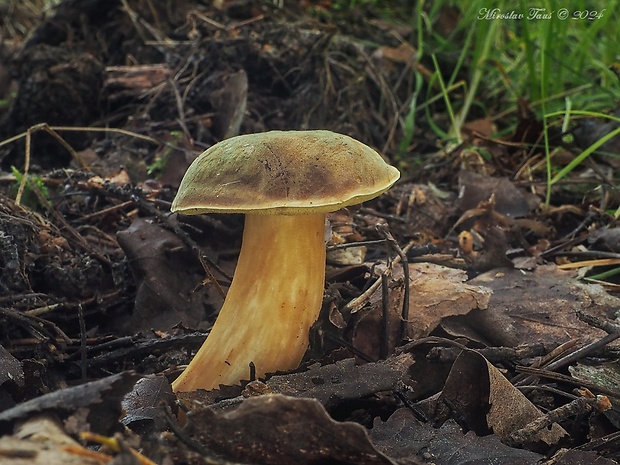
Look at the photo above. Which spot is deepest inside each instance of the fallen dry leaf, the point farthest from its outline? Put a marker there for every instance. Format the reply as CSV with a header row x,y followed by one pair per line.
x,y
404,438
344,380
93,406
42,441
436,292
486,401
529,307
274,429
166,274
509,200
143,407
230,101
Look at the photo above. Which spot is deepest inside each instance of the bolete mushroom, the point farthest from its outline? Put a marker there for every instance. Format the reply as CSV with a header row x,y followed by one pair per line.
x,y
284,182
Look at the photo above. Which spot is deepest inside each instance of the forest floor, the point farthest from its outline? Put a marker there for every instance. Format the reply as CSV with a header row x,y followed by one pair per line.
x,y
460,321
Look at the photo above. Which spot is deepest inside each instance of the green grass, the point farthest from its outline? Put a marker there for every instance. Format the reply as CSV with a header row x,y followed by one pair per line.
x,y
496,62
563,68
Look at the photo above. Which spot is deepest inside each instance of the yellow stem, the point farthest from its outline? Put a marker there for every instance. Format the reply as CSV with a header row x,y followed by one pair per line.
x,y
274,298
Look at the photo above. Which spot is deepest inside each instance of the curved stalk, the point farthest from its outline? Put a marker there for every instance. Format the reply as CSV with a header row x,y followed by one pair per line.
x,y
274,298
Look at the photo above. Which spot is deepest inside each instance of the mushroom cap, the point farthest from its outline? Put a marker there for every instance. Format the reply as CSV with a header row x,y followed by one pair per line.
x,y
283,172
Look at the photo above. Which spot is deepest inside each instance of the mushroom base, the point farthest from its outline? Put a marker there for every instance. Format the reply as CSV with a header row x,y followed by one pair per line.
x,y
274,298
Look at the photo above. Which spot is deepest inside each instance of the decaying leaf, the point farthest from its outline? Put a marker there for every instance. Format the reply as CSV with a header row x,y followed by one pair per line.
x,y
436,292
343,380
528,307
275,429
42,441
166,274
605,375
230,101
475,188
403,437
607,239
486,401
10,368
94,406
143,405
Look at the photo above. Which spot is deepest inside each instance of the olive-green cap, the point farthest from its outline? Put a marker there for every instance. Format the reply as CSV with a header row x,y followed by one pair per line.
x,y
283,172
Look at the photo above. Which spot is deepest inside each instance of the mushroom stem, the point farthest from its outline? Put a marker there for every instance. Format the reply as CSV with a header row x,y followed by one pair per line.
x,y
274,298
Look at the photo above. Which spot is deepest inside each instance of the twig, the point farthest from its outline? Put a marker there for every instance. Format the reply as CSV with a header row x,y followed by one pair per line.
x,y
543,373
385,317
354,305
354,244
383,230
83,354
559,351
50,130
612,329
528,434
492,354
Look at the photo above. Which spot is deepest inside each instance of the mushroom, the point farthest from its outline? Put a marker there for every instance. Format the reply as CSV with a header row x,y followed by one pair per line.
x,y
284,182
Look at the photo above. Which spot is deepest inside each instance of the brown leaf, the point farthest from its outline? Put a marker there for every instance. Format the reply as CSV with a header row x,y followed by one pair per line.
x,y
143,405
404,438
166,274
607,239
230,101
275,429
475,188
529,307
334,383
485,400
436,292
98,403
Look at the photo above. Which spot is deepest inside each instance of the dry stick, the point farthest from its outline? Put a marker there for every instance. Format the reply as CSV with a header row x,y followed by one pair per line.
x,y
47,128
83,348
45,309
356,304
38,326
492,354
554,376
559,351
51,130
612,329
383,229
22,184
606,325
179,104
385,317
604,442
528,433
86,129
105,211
348,245
430,340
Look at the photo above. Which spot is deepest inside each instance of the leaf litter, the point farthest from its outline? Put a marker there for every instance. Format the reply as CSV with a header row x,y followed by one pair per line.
x,y
98,279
